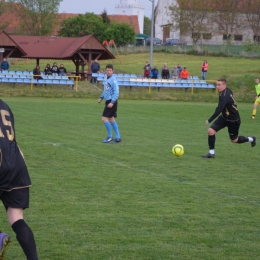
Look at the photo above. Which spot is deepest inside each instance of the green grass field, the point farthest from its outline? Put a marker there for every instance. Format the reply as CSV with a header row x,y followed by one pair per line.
x,y
135,200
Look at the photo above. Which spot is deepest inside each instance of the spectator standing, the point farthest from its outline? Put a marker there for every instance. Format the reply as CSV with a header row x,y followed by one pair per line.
x,y
55,69
95,67
175,72
184,73
5,65
48,70
179,70
147,64
165,73
110,94
62,70
14,186
154,73
204,69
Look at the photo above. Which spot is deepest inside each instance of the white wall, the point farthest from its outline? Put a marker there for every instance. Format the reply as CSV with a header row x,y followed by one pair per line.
x,y
131,7
162,18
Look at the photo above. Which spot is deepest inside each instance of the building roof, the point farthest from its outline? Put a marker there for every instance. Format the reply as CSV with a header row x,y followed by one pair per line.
x,y
12,21
132,20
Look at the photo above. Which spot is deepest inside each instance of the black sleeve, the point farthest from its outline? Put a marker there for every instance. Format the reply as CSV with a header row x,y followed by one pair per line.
x,y
222,103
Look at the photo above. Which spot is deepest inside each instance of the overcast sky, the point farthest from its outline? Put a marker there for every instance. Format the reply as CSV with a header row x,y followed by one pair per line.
x,y
97,6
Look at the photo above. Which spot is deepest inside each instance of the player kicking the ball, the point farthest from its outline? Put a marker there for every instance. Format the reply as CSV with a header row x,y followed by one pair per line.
x,y
229,118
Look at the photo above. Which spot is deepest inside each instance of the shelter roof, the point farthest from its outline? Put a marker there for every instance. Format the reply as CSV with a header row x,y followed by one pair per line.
x,y
48,47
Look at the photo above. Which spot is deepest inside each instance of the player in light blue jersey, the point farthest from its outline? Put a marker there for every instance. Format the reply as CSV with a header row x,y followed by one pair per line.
x,y
110,94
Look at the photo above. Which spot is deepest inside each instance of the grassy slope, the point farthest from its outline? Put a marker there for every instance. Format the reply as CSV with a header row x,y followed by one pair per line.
x,y
240,73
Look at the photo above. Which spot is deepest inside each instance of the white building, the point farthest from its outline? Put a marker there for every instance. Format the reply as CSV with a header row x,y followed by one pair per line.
x,y
161,24
131,7
211,35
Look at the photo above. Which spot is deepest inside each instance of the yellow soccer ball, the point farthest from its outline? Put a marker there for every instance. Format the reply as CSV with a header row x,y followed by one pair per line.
x,y
178,150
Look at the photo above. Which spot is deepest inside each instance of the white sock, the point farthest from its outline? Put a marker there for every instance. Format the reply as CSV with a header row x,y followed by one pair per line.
x,y
250,139
212,151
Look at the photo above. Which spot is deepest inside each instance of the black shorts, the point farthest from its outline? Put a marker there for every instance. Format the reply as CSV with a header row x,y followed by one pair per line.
x,y
233,127
17,198
110,112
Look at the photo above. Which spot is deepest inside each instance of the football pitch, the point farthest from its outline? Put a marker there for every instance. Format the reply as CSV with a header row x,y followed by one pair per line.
x,y
135,200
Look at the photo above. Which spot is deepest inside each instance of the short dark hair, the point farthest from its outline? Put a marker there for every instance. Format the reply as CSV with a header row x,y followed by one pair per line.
x,y
109,66
256,78
223,80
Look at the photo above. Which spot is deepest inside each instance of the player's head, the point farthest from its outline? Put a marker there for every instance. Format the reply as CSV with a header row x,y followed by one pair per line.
x,y
221,84
257,80
109,69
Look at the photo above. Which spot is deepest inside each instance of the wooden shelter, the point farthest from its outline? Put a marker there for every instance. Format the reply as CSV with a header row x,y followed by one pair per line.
x,y
82,51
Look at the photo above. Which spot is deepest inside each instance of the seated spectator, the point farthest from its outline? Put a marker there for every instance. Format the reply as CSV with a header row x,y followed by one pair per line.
x,y
147,72
4,65
55,69
165,72
165,64
175,72
37,73
48,70
184,74
154,73
62,70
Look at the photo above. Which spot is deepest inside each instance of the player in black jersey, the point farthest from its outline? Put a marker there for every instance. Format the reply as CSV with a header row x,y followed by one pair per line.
x,y
229,118
14,186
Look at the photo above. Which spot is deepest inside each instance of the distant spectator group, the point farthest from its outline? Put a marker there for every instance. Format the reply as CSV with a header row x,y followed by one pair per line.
x,y
177,72
55,70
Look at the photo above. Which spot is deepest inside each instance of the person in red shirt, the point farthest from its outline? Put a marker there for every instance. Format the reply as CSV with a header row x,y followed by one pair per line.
x,y
147,72
184,74
204,69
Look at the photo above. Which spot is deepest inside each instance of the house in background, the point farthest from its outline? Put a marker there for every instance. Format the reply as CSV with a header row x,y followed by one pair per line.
x,y
162,24
214,32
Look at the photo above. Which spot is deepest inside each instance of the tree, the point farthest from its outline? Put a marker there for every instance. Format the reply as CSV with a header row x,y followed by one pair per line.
x,y
38,17
91,23
3,23
147,25
121,33
228,18
82,25
190,17
105,17
252,10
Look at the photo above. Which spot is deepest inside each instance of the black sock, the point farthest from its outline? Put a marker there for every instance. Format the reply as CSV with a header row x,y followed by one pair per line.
x,y
242,139
25,237
211,141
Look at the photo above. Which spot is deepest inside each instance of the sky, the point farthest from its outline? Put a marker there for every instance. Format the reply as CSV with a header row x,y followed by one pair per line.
x,y
97,6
